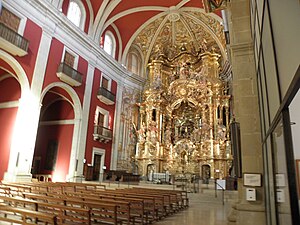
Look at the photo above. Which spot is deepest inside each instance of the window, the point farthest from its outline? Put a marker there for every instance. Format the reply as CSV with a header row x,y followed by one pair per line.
x,y
109,43
133,63
70,58
101,117
105,82
10,20
76,13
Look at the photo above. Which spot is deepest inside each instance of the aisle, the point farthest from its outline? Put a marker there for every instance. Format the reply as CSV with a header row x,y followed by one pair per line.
x,y
200,213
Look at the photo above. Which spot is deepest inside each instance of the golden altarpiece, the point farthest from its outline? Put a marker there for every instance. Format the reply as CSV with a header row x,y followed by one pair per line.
x,y
184,117
179,123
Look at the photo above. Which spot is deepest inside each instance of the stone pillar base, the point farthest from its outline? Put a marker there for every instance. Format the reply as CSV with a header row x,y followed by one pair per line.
x,y
247,214
17,177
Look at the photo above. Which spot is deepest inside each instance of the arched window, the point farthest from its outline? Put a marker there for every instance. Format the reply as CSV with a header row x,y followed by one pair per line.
x,y
109,43
134,62
76,13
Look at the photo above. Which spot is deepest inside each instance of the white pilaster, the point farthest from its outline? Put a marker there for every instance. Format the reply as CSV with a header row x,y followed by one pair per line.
x,y
23,139
41,63
77,170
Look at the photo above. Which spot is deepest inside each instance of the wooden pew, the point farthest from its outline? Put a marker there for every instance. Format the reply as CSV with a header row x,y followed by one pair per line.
x,y
24,216
64,214
181,196
123,212
99,210
152,204
137,212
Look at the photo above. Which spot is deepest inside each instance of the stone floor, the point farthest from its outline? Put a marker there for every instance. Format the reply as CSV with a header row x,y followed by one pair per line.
x,y
200,212
205,208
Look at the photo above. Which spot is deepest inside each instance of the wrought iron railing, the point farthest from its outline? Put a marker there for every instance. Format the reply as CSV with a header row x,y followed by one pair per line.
x,y
102,132
13,37
69,71
106,93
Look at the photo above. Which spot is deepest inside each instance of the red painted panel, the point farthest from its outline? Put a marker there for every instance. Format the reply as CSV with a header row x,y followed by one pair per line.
x,y
54,59
138,3
5,67
11,88
7,121
65,6
33,34
87,18
55,92
96,6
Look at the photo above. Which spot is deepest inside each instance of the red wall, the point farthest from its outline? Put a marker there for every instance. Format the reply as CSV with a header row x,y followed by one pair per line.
x,y
54,59
94,103
7,122
65,6
63,134
33,34
11,88
12,91
59,110
82,68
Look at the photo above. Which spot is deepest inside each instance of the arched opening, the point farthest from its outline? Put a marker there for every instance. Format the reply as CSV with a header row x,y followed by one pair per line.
x,y
9,101
55,135
16,104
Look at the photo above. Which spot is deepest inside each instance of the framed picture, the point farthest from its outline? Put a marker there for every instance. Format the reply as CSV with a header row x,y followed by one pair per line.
x,y
51,155
252,179
280,180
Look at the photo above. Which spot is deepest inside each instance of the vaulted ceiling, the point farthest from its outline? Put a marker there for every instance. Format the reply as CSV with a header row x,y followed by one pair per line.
x,y
167,25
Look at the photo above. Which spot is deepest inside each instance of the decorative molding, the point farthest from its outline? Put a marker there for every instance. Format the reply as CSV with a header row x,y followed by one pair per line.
x,y
11,104
44,14
242,48
56,122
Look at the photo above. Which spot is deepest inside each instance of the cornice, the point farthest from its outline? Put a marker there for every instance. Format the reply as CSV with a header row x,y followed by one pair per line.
x,y
44,14
242,48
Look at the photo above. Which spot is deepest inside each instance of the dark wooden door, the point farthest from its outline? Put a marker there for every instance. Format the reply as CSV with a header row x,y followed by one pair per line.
x,y
97,166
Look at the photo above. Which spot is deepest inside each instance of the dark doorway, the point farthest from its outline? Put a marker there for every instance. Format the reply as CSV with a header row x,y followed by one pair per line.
x,y
206,173
97,166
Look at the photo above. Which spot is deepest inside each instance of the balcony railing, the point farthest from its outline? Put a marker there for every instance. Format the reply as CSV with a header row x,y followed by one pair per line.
x,y
13,42
106,96
69,75
102,134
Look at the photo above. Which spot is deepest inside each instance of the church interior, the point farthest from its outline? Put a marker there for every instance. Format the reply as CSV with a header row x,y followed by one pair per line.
x,y
177,99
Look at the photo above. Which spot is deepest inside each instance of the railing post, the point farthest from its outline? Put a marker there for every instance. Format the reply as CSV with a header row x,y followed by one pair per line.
x,y
215,188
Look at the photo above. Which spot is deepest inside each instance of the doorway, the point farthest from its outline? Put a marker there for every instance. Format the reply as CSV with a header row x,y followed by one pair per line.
x,y
205,173
97,167
98,164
